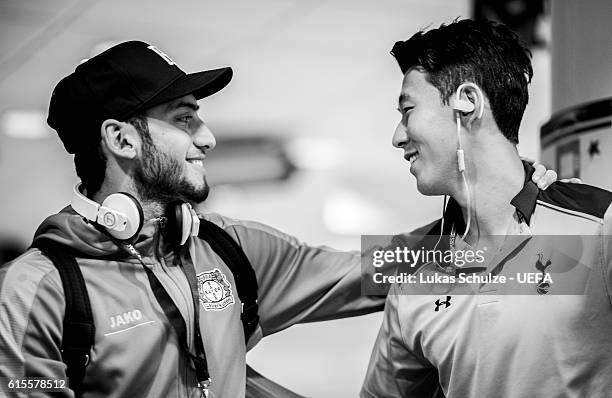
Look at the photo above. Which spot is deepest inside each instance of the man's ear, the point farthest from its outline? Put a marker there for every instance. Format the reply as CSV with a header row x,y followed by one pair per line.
x,y
119,138
472,95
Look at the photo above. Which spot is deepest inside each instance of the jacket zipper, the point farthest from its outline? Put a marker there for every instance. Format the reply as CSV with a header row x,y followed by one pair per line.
x,y
184,367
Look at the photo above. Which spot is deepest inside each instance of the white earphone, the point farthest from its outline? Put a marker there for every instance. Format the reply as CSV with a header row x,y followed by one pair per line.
x,y
465,106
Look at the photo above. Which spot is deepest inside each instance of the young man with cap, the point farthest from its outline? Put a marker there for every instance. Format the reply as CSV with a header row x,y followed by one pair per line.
x,y
166,306
484,329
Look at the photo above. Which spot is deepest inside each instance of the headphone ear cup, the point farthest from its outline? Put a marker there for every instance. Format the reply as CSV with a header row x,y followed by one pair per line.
x,y
174,225
179,226
187,223
125,203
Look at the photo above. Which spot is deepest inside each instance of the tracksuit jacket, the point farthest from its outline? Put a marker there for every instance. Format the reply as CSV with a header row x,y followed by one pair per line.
x,y
136,351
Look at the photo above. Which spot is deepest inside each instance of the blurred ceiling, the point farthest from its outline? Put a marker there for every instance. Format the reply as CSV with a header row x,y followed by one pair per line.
x,y
295,62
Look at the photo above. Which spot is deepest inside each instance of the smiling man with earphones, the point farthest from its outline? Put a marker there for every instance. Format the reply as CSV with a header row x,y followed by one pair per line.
x,y
463,94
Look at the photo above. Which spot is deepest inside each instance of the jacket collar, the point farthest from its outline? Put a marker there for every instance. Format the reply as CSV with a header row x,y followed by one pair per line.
x,y
524,202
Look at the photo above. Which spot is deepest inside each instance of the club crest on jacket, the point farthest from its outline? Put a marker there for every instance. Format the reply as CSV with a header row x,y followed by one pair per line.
x,y
215,290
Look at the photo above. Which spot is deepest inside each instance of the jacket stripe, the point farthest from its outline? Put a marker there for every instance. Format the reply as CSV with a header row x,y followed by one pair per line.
x,y
571,212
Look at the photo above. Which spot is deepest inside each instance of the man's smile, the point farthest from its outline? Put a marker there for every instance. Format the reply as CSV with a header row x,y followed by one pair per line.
x,y
196,161
411,155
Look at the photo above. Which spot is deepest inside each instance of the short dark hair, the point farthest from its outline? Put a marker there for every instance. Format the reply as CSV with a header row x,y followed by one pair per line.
x,y
90,162
483,52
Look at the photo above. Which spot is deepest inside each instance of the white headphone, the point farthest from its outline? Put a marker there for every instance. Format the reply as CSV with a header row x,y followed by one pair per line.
x,y
465,106
122,216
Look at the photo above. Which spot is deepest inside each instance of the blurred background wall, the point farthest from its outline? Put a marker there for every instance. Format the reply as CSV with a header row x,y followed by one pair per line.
x,y
304,129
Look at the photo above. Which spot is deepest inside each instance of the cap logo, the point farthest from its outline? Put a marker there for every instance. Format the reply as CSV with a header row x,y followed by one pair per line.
x,y
162,54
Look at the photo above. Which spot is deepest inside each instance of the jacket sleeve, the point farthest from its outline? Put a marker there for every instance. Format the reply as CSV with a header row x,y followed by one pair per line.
x,y
302,283
297,282
31,313
394,370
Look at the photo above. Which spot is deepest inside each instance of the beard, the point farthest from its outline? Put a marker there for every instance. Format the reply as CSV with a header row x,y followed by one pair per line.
x,y
159,178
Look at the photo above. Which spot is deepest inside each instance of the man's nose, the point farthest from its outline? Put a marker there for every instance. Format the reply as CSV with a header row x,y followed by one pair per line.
x,y
204,138
400,137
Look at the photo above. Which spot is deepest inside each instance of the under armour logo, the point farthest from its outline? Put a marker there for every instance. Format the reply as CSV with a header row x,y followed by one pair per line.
x,y
446,303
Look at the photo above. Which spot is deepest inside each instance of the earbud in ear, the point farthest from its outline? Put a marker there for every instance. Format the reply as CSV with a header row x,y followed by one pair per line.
x,y
466,106
463,106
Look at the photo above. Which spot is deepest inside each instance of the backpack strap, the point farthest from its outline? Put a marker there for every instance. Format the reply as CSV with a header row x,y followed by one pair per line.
x,y
79,329
236,260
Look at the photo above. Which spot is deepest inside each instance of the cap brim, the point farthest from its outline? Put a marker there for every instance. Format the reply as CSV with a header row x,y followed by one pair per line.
x,y
200,84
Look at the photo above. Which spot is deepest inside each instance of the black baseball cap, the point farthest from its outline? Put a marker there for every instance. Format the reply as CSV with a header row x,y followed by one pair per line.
x,y
118,83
